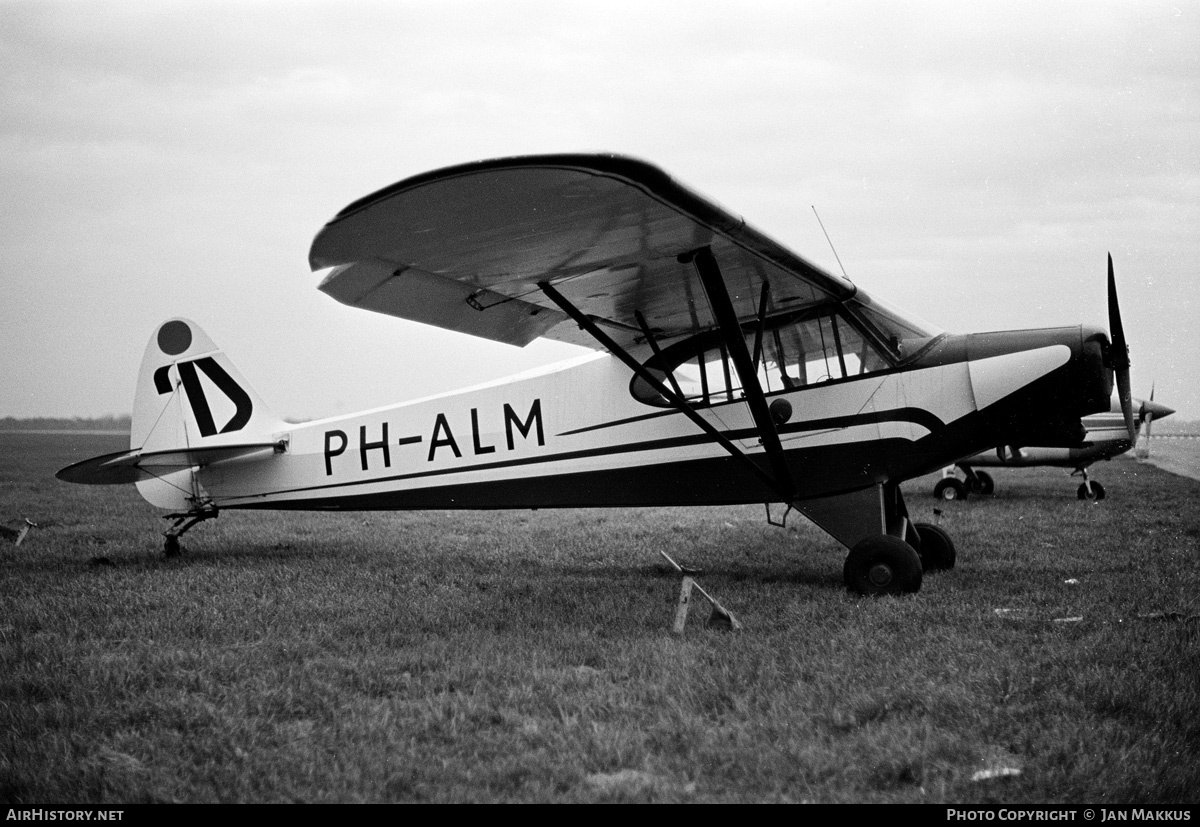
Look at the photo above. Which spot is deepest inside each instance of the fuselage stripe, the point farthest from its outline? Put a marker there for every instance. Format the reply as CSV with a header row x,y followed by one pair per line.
x,y
916,415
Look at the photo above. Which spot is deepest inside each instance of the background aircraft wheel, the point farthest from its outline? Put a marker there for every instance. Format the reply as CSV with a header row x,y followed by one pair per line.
x,y
950,489
987,485
1097,492
882,565
171,546
936,550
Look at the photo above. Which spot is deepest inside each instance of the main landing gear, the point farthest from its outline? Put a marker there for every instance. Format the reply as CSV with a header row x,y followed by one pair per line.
x,y
183,522
895,563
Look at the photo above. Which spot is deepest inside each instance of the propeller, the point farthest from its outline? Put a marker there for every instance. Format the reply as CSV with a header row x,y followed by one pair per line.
x,y
1119,354
1149,412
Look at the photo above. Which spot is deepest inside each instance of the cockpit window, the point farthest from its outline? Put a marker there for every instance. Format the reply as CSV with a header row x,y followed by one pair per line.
x,y
798,351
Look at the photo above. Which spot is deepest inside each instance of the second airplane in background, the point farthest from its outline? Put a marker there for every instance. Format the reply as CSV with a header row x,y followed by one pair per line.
x,y
1106,438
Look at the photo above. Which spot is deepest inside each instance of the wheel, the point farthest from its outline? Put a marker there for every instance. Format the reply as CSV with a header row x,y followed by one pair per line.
x,y
1096,492
987,485
950,489
171,546
936,550
882,565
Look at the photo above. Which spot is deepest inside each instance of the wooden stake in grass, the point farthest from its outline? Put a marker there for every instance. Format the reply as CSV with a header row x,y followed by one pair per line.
x,y
681,609
17,535
721,618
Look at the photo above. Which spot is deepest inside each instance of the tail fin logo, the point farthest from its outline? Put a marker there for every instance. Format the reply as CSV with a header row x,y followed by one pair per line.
x,y
199,402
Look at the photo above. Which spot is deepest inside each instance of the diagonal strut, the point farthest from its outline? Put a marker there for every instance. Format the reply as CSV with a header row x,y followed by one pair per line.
x,y
677,401
735,341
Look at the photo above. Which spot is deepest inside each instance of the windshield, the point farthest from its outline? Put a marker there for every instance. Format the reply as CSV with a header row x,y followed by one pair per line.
x,y
902,331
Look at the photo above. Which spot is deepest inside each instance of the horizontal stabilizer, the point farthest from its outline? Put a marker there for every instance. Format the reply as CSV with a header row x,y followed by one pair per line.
x,y
135,466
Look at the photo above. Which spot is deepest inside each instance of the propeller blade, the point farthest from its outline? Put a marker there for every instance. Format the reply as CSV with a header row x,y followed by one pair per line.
x,y
1119,354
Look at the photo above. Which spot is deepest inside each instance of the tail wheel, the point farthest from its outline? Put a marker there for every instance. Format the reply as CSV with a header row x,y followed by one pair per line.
x,y
1096,492
950,489
936,550
882,565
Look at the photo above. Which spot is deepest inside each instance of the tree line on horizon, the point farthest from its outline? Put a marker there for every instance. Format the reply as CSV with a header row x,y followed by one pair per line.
x,y
77,423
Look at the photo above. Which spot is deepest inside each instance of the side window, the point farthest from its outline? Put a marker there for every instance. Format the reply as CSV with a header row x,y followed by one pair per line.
x,y
795,354
806,353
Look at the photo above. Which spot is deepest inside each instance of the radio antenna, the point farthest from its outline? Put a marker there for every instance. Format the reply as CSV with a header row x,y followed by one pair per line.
x,y
831,247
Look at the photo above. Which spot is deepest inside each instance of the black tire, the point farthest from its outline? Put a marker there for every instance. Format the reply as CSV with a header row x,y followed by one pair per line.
x,y
987,486
882,565
936,550
950,489
1097,492
171,546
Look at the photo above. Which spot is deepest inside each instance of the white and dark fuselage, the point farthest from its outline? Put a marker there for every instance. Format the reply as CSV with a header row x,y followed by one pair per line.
x,y
575,435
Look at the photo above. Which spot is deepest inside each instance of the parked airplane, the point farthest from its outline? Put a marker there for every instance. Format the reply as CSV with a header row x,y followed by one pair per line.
x,y
1105,438
730,370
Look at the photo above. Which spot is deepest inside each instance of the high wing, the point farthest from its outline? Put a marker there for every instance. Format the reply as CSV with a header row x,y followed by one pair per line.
x,y
469,248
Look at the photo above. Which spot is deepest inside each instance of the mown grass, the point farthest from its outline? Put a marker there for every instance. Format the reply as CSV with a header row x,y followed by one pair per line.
x,y
528,656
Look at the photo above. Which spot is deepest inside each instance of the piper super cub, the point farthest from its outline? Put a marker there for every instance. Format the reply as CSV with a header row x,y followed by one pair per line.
x,y
728,370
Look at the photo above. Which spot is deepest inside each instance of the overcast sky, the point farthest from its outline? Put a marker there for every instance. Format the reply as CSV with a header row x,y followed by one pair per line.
x,y
973,163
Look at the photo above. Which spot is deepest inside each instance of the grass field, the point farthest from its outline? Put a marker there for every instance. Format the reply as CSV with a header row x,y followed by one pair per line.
x,y
528,656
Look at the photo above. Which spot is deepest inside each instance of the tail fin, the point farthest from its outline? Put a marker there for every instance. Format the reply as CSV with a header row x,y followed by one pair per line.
x,y
192,408
190,396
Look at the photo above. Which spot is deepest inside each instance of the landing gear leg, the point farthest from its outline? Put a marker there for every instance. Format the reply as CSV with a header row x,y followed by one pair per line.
x,y
183,522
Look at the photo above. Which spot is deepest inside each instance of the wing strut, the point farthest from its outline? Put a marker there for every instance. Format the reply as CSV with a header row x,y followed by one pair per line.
x,y
735,341
676,400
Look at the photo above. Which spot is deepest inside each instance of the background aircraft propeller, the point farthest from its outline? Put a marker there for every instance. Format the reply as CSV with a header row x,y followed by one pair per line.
x,y
1150,411
1119,354
1148,415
